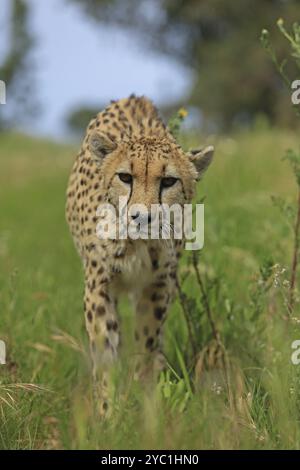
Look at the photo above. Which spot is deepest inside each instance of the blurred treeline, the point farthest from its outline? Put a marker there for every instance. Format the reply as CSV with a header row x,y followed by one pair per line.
x,y
16,68
218,40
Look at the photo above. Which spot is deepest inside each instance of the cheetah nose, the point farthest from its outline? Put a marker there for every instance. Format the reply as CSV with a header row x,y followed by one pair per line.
x,y
144,218
135,215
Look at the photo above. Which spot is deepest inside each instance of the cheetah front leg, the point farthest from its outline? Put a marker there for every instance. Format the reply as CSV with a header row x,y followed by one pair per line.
x,y
151,311
103,330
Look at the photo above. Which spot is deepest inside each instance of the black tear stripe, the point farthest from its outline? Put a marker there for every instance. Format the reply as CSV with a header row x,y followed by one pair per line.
x,y
131,184
110,181
160,193
160,186
131,191
181,182
146,171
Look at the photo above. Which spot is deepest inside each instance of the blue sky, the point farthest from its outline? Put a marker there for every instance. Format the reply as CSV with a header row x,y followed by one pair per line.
x,y
80,62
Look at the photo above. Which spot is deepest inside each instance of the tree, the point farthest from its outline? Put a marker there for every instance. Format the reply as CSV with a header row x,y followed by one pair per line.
x,y
79,118
16,69
219,41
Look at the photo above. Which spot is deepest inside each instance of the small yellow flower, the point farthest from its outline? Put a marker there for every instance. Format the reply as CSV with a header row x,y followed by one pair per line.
x,y
280,22
182,113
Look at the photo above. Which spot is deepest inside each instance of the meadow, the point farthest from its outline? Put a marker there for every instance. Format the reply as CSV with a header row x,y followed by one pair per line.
x,y
230,384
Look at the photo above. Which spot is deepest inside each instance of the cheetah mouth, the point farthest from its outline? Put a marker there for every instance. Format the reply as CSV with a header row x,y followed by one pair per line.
x,y
140,230
149,232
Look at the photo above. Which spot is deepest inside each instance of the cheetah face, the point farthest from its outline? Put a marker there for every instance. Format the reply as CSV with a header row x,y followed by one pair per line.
x,y
149,172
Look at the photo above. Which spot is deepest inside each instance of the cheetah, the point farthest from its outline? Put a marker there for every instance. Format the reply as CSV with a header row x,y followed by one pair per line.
x,y
128,152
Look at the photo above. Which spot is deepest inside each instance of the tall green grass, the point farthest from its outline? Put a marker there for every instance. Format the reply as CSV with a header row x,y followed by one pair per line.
x,y
243,396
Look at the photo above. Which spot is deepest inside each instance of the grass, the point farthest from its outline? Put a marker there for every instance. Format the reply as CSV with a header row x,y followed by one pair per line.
x,y
246,396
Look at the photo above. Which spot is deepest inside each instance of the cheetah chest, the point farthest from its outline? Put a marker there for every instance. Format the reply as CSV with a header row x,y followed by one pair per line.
x,y
135,271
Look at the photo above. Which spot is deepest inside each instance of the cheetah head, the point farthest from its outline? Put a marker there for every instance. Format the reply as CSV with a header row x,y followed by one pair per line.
x,y
148,171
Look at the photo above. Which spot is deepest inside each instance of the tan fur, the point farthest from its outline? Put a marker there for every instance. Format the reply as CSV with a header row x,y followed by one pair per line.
x,y
127,137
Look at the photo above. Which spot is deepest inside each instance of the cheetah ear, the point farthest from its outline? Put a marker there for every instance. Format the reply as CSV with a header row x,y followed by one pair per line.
x,y
201,159
101,145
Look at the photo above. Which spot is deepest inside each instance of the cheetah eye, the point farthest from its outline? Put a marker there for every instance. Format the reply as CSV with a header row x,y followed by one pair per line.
x,y
168,182
125,177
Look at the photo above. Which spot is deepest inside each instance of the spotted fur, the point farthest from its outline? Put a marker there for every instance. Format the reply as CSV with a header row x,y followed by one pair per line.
x,y
129,138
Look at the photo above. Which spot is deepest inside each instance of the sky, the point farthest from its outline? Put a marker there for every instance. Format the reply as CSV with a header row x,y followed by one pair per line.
x,y
79,62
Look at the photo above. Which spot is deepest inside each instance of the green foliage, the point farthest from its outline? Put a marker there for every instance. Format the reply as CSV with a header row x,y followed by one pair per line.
x,y
287,209
79,118
288,65
175,393
196,404
292,156
176,121
16,68
293,39
217,40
